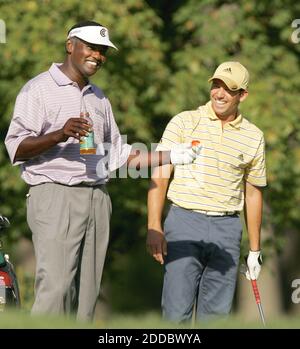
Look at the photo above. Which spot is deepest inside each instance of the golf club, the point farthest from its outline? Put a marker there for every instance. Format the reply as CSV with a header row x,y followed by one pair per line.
x,y
243,270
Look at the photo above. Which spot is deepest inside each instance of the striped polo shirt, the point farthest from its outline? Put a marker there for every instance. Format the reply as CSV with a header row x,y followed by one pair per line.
x,y
44,105
229,156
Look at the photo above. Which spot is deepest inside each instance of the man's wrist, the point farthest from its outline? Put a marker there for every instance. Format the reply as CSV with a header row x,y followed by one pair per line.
x,y
59,136
156,227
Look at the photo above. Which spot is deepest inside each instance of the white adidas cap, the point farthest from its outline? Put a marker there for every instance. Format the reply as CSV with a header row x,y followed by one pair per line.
x,y
97,35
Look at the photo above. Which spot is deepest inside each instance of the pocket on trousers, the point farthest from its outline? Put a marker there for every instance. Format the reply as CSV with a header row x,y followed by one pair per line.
x,y
29,213
49,211
166,226
236,230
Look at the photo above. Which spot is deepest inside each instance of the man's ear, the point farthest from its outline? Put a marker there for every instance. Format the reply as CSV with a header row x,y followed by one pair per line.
x,y
243,95
69,46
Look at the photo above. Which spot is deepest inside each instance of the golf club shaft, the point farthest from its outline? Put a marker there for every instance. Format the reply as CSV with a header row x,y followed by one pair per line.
x,y
261,313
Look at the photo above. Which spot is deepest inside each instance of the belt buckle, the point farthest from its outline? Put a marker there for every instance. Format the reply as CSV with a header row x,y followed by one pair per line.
x,y
231,213
220,214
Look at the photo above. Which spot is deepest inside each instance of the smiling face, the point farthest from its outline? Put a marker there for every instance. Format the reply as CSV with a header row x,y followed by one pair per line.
x,y
84,59
224,101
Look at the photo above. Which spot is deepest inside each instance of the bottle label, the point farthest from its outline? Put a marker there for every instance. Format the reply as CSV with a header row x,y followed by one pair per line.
x,y
87,142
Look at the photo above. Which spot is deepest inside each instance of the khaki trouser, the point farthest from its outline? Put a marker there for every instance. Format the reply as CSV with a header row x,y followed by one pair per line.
x,y
70,232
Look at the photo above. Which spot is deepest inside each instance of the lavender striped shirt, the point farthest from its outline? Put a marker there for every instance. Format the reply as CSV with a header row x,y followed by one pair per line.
x,y
44,105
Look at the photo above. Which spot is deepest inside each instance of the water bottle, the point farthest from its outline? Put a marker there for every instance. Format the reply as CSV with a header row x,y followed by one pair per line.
x,y
87,145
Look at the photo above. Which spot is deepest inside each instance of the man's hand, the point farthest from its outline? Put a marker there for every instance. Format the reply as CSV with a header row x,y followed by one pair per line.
x,y
75,127
156,245
254,262
184,153
35,146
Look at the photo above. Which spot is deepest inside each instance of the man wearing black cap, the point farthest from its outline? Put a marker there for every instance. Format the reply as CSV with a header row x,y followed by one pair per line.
x,y
68,207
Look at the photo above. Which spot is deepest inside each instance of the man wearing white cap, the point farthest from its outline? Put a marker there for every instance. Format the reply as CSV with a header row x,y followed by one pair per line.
x,y
200,242
68,207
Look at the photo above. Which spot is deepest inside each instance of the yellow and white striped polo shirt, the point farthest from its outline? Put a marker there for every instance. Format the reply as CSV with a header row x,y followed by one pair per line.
x,y
229,156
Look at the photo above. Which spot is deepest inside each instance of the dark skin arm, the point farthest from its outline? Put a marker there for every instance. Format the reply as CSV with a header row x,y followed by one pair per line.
x,y
34,146
76,128
139,159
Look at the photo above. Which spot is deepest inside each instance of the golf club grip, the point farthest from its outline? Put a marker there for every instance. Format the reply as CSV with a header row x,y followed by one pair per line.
x,y
255,291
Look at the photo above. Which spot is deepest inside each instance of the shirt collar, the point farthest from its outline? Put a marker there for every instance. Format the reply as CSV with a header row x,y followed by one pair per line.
x,y
236,123
211,114
58,76
62,79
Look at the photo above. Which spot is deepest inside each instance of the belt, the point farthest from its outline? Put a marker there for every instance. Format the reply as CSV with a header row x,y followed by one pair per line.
x,y
88,184
78,185
213,213
81,184
216,213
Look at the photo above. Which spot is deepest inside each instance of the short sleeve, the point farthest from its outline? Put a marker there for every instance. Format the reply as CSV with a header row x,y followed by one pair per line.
x,y
172,135
118,149
256,171
27,120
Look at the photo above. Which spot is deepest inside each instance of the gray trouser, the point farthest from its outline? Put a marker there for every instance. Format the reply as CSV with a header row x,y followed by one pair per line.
x,y
201,265
70,232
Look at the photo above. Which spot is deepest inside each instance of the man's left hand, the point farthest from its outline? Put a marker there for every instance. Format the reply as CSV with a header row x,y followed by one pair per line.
x,y
254,262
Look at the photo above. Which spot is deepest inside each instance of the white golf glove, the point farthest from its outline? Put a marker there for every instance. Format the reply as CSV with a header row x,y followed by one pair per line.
x,y
184,153
254,262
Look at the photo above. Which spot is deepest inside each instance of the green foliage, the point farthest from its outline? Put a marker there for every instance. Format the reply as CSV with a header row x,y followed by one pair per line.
x,y
167,51
26,285
138,279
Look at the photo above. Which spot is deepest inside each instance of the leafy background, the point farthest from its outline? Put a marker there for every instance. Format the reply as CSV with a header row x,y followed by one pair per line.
x,y
167,51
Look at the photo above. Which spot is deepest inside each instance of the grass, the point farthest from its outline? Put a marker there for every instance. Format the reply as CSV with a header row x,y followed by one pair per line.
x,y
23,320
154,321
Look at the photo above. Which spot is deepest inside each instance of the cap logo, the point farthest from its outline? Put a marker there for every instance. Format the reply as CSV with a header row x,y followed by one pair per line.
x,y
228,70
103,32
93,34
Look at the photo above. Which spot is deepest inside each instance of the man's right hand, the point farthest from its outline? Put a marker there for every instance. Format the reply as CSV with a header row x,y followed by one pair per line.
x,y
75,127
156,245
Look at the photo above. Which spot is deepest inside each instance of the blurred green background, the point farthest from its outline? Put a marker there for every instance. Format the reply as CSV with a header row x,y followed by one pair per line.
x,y
167,51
